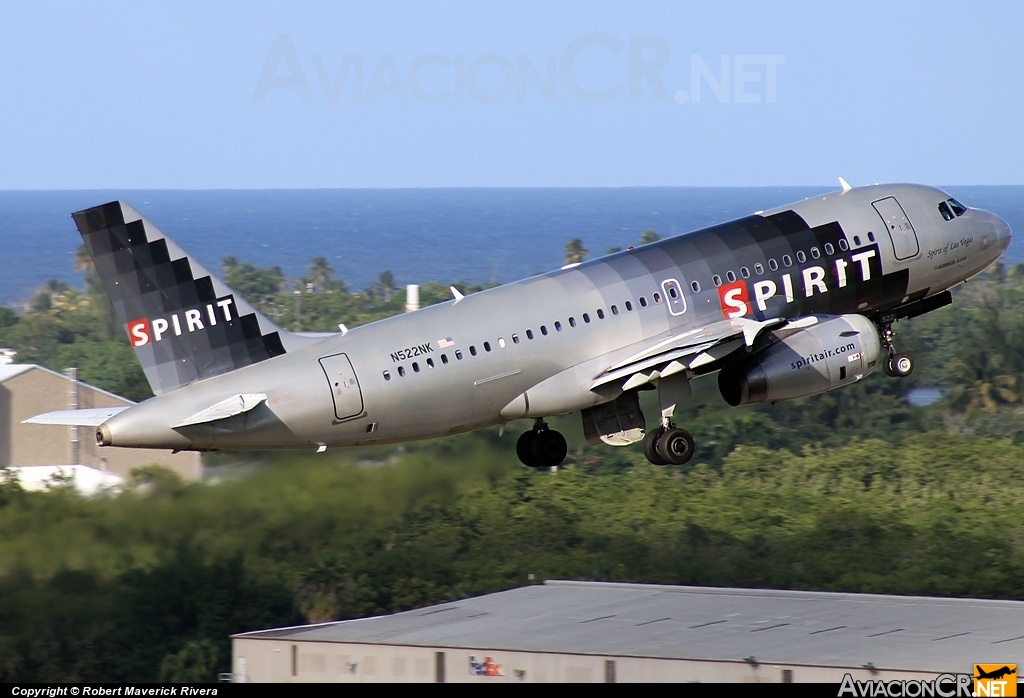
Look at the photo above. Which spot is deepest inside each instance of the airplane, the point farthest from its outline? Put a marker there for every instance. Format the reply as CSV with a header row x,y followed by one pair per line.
x,y
783,304
995,674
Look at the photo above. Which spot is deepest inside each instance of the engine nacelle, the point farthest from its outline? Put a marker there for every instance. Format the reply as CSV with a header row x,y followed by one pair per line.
x,y
833,352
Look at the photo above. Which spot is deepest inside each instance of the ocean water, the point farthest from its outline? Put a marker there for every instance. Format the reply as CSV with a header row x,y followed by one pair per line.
x,y
420,235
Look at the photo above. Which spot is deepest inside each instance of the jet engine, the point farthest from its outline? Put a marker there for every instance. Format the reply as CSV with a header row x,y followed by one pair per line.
x,y
829,352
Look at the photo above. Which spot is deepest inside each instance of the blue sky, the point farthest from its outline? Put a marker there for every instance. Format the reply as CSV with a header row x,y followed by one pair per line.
x,y
485,94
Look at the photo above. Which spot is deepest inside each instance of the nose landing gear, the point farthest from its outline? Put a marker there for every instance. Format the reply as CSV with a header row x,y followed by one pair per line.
x,y
896,365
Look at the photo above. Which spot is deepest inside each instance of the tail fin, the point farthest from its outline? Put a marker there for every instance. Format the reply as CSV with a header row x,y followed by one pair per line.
x,y
184,323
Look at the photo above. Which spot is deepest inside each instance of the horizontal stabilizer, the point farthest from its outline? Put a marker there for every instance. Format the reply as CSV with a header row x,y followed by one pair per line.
x,y
92,417
236,404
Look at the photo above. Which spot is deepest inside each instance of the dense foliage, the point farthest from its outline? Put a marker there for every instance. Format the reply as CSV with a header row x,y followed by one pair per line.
x,y
854,490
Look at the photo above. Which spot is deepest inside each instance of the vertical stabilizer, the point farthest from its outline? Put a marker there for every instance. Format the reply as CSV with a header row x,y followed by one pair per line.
x,y
184,323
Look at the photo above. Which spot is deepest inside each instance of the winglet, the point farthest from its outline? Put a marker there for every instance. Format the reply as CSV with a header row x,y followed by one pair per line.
x,y
455,292
844,184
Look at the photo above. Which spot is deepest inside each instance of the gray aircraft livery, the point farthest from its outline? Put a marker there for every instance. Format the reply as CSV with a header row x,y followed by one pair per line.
x,y
783,304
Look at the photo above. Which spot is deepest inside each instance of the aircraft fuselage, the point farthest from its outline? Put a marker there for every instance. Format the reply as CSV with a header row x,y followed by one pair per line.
x,y
533,348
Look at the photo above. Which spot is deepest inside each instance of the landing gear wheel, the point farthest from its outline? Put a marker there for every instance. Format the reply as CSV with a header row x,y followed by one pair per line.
x,y
895,365
676,446
549,448
651,447
541,447
524,449
901,365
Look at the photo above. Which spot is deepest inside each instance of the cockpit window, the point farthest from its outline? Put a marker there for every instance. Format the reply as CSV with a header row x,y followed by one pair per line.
x,y
947,215
958,208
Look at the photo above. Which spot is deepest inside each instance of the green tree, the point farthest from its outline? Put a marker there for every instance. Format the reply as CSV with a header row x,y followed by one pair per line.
x,y
648,237
575,252
384,286
321,274
257,285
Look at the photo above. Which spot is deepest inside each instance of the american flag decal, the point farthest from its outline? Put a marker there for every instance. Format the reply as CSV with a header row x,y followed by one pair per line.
x,y
446,342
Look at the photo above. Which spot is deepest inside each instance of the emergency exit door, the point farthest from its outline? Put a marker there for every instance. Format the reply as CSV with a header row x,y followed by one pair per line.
x,y
348,398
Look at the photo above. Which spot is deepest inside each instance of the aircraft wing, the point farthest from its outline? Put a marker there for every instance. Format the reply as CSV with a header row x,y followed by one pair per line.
x,y
92,417
691,350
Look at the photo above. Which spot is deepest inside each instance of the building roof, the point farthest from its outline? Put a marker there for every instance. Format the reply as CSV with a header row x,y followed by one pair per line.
x,y
702,623
83,478
8,371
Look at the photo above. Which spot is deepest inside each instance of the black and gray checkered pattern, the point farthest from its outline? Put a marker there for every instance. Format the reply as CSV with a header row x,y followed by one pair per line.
x,y
148,277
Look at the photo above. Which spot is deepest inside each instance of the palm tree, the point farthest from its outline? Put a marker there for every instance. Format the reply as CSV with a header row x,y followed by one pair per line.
x,y
84,265
385,285
575,252
648,237
320,273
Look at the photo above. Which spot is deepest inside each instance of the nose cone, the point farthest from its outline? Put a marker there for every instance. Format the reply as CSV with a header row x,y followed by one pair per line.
x,y
1003,233
995,232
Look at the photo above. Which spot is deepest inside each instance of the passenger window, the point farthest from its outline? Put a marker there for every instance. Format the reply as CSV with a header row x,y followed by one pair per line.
x,y
586,318
472,350
773,264
856,240
716,280
871,236
558,326
572,322
643,302
695,285
487,346
744,272
629,306
444,359
787,261
615,310
501,342
829,249
415,367
657,297
731,275
515,339
600,314
458,354
544,330
387,375
529,334
801,257
430,363
815,252
758,268
842,245
401,370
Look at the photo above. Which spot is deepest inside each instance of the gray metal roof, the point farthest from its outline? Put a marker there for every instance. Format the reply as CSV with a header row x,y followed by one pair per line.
x,y
778,627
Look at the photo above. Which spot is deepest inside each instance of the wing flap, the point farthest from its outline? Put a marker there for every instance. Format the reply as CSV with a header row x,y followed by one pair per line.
x,y
693,349
92,417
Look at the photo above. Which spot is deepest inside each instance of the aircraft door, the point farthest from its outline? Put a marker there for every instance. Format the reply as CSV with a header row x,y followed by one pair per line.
x,y
675,301
348,397
901,232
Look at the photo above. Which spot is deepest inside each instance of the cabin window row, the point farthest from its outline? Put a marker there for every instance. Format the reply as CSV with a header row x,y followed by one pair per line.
x,y
773,264
558,327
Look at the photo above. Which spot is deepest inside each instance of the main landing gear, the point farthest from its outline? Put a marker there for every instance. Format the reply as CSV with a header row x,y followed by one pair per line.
x,y
668,445
896,365
541,447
